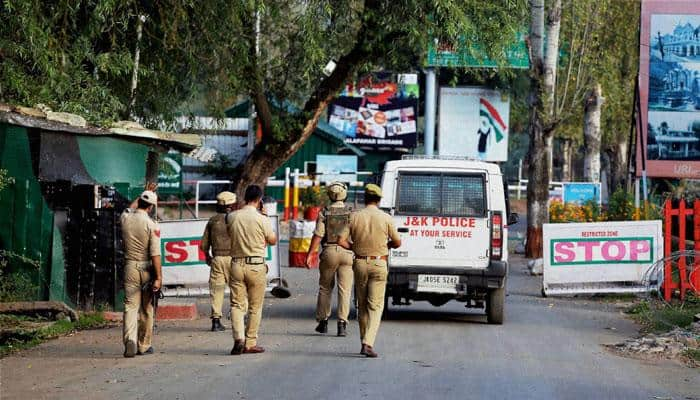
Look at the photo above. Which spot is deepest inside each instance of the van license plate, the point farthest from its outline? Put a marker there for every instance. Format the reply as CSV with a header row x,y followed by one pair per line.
x,y
437,283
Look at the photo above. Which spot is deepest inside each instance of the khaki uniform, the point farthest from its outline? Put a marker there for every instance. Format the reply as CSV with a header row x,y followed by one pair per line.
x,y
141,242
335,261
370,229
217,239
248,272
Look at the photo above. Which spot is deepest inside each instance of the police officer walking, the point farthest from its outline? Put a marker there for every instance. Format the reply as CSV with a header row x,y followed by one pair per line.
x,y
142,272
335,260
216,239
248,273
370,235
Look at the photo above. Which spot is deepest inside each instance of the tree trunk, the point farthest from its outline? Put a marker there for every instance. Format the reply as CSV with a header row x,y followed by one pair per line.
x,y
566,164
617,154
271,153
543,67
591,134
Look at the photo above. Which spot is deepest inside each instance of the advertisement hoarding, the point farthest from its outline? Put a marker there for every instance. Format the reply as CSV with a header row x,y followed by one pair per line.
x,y
669,86
473,122
185,264
378,111
615,255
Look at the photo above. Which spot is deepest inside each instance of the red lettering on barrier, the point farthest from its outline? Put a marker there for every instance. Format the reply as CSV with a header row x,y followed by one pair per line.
x,y
175,252
588,247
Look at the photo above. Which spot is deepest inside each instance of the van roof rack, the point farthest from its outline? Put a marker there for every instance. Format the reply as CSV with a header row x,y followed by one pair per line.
x,y
438,157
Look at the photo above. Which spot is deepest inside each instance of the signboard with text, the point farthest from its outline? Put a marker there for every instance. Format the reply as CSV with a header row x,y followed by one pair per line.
x,y
581,192
610,254
185,264
170,173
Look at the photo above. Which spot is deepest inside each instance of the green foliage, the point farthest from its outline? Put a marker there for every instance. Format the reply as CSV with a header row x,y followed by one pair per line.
x,y
16,271
79,57
598,44
5,179
657,317
621,206
20,332
313,196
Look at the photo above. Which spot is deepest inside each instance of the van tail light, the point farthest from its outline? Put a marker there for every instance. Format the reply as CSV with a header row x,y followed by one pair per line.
x,y
496,236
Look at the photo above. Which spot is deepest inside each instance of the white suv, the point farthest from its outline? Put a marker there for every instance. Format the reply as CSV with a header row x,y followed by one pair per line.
x,y
452,215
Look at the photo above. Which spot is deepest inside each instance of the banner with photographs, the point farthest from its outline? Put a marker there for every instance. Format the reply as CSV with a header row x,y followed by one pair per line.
x,y
378,111
670,89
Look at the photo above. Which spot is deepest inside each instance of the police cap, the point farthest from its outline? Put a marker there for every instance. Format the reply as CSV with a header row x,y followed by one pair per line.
x,y
149,197
373,189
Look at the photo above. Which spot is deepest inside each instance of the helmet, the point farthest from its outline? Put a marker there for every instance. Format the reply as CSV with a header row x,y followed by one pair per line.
x,y
225,198
337,191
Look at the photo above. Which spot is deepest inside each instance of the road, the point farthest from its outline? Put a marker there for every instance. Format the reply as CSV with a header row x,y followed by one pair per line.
x,y
547,349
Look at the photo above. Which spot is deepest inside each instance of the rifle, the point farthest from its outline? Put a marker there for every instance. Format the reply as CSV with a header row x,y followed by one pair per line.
x,y
147,288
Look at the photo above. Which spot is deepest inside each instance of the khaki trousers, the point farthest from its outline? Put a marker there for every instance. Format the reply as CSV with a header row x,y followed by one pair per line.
x,y
335,260
370,286
218,279
138,306
248,283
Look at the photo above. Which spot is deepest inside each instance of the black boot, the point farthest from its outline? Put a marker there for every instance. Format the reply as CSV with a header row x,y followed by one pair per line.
x,y
342,328
216,325
322,326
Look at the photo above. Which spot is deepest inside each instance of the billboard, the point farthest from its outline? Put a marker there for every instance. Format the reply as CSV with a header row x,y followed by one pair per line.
x,y
378,111
670,89
473,122
336,168
600,257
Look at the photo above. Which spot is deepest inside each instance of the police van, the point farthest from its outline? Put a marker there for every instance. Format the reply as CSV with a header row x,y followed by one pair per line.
x,y
452,215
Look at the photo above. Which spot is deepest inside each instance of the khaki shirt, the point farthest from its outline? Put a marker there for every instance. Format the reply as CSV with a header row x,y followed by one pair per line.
x,y
370,229
252,230
141,235
216,236
321,221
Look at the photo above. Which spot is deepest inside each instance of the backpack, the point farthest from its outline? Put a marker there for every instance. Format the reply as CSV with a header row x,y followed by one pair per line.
x,y
337,219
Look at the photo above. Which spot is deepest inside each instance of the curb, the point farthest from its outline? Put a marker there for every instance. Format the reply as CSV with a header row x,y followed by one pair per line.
x,y
187,311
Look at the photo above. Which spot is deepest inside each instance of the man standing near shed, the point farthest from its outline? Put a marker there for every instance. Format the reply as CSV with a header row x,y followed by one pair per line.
x,y
142,272
216,238
335,260
248,273
370,235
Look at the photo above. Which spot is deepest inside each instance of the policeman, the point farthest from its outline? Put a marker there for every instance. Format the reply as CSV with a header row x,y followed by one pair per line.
x,y
217,240
335,260
248,273
142,272
370,235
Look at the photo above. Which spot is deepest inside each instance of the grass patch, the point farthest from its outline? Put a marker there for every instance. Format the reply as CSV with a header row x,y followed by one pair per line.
x,y
21,332
693,354
659,317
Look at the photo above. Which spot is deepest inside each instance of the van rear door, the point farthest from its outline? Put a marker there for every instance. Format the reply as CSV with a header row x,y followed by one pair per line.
x,y
443,219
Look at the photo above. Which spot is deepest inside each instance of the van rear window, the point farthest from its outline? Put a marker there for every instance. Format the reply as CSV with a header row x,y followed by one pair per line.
x,y
441,194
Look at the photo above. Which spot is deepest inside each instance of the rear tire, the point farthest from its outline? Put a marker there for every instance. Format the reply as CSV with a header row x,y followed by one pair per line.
x,y
495,304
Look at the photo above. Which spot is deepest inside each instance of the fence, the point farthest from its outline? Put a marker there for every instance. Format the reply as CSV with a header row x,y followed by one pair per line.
x,y
688,275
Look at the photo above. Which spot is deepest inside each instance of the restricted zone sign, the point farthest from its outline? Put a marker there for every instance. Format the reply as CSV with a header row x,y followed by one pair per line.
x,y
601,257
185,264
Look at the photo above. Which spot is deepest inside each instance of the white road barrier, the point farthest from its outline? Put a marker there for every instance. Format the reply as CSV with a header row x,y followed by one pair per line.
x,y
600,257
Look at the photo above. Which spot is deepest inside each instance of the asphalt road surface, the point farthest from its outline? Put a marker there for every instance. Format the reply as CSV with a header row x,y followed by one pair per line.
x,y
547,349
